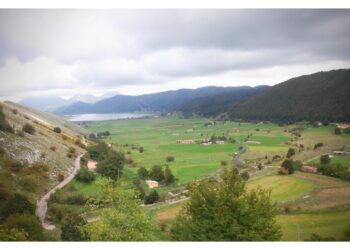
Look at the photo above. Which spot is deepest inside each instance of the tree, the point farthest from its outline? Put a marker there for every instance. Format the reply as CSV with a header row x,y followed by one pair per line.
x,y
288,165
291,152
245,175
157,173
153,197
92,136
324,159
169,178
57,130
28,128
337,131
112,164
85,175
27,223
121,217
170,158
70,228
17,204
142,173
225,211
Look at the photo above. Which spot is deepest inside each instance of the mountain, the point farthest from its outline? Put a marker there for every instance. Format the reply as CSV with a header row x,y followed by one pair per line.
x,y
214,105
30,162
44,103
323,96
163,101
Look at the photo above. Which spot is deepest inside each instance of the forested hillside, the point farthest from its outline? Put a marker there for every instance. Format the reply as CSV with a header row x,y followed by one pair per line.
x,y
323,96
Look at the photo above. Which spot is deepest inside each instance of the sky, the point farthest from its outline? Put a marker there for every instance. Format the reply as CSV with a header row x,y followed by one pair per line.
x,y
69,52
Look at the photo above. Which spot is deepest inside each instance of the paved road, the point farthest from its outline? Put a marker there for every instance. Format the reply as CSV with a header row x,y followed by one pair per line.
x,y
42,204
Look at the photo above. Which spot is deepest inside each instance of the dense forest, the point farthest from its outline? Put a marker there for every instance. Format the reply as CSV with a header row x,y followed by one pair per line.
x,y
323,96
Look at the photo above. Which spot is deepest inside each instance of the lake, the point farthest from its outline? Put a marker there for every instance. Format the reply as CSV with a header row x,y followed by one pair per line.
x,y
104,117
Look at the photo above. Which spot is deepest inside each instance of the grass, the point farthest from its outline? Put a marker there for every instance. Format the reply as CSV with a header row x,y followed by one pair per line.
x,y
158,137
326,223
283,187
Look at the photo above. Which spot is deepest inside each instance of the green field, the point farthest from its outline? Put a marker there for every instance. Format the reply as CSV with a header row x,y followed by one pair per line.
x,y
158,137
318,204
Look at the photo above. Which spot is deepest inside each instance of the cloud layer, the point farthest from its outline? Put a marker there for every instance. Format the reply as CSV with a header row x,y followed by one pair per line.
x,y
138,51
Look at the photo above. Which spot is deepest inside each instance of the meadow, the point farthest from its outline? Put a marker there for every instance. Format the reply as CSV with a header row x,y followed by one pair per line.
x,y
309,203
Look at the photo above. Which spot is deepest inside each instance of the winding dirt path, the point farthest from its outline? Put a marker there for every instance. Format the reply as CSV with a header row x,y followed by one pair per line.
x,y
42,204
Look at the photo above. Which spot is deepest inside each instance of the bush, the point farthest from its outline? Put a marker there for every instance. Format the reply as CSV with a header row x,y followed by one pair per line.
x,y
15,111
53,148
291,152
28,183
13,165
2,151
28,128
4,125
169,178
153,197
223,163
57,130
72,150
157,173
70,228
141,149
92,136
27,223
142,173
64,137
76,199
325,159
337,131
84,175
16,204
170,158
289,166
245,175
318,145
60,177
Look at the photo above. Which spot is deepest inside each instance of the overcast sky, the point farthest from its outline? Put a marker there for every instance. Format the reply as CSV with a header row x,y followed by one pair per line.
x,y
68,52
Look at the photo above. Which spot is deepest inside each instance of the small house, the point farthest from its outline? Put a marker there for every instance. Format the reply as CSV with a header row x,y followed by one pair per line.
x,y
92,165
309,169
152,184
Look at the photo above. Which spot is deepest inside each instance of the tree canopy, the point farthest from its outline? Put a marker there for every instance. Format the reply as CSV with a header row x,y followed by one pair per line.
x,y
225,211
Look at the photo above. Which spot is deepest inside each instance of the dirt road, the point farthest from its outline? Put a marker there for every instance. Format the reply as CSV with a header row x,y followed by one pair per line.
x,y
42,204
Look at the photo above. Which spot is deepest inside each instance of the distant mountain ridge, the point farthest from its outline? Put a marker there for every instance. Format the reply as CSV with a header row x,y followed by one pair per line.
x,y
167,101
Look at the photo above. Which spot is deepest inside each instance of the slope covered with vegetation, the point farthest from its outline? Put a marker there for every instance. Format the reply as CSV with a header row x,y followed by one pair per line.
x,y
323,96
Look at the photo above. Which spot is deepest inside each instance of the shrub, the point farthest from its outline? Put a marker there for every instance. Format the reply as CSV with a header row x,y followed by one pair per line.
x,y
15,111
64,137
324,159
60,177
157,173
142,173
4,125
53,148
2,151
13,165
318,145
72,150
92,136
141,149
223,163
287,209
57,130
291,152
337,131
169,178
153,197
282,170
70,228
28,183
245,175
129,160
28,223
40,166
76,199
28,128
260,166
289,166
170,158
85,175
17,204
